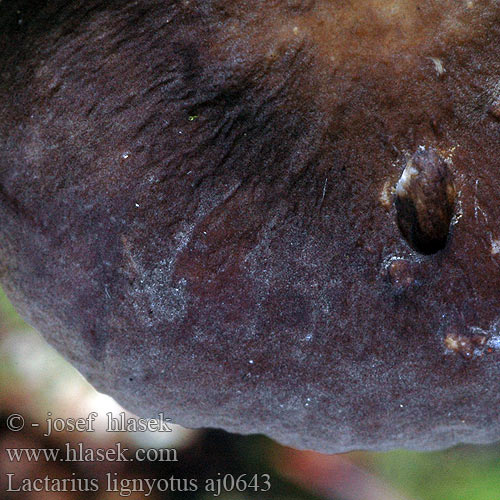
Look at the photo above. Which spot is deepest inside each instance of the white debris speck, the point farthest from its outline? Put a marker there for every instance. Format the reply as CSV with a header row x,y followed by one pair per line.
x,y
494,342
495,247
438,65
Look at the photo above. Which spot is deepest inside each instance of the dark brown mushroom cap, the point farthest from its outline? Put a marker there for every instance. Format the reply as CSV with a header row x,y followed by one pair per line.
x,y
196,209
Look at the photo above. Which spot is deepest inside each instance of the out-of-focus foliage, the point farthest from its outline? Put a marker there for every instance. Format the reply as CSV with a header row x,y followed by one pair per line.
x,y
461,473
9,319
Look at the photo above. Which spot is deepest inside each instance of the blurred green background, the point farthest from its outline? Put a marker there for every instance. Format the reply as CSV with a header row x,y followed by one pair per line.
x,y
34,379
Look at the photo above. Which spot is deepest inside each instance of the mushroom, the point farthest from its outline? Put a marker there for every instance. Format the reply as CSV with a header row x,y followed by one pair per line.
x,y
199,209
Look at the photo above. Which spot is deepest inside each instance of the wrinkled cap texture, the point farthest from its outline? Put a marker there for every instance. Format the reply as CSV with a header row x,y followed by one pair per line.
x,y
273,216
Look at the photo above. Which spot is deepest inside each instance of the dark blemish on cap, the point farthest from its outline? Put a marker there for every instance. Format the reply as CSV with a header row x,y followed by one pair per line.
x,y
424,200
